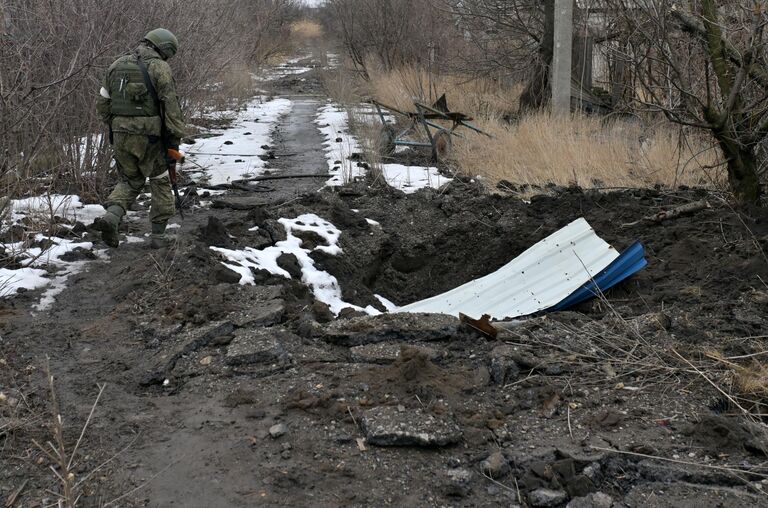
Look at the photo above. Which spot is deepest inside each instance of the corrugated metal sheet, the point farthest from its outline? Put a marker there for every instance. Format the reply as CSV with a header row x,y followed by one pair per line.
x,y
631,261
536,280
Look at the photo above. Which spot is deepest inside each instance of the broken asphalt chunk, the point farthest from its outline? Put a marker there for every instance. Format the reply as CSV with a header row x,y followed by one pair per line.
x,y
546,498
261,314
258,346
400,327
596,500
198,338
457,482
504,368
386,426
385,352
278,430
239,203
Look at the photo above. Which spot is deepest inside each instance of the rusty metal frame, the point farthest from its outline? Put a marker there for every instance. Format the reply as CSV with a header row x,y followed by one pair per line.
x,y
423,118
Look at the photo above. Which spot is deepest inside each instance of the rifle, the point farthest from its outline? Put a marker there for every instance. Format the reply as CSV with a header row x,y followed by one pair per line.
x,y
177,157
172,153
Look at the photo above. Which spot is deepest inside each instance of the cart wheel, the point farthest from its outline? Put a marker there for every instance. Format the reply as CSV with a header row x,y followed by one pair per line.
x,y
387,138
442,144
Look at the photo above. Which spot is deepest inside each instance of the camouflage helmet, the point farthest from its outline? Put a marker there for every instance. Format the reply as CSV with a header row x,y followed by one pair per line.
x,y
165,42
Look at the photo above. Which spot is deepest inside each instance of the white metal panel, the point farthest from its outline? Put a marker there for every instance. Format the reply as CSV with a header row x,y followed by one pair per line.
x,y
536,280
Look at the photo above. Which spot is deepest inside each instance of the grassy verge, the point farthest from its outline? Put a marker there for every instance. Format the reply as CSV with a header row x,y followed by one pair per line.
x,y
538,149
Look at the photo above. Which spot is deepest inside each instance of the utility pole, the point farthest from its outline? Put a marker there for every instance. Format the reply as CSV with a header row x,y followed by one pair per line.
x,y
561,60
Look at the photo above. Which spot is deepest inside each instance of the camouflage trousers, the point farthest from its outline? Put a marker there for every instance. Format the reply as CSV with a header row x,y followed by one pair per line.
x,y
138,160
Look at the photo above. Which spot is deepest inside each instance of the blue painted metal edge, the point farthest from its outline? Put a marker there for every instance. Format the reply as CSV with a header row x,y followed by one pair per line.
x,y
631,261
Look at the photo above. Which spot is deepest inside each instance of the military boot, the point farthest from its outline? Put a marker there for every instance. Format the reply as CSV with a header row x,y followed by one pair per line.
x,y
160,239
109,225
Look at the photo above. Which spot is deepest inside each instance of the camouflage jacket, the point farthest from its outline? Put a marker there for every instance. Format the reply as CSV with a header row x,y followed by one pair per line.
x,y
160,73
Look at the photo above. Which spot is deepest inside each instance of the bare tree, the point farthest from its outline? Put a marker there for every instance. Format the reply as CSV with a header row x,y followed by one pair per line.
x,y
394,32
704,65
53,56
513,36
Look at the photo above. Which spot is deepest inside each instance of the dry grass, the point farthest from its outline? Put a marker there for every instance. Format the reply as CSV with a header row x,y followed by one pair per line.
x,y
342,86
306,29
235,88
479,97
747,377
540,149
586,151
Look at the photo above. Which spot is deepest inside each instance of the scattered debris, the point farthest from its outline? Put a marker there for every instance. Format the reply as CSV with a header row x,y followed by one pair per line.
x,y
495,466
278,430
386,352
547,498
258,345
680,211
504,366
457,482
387,327
482,325
595,500
423,121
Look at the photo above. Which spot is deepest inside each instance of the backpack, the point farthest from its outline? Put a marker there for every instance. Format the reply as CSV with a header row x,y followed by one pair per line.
x,y
128,89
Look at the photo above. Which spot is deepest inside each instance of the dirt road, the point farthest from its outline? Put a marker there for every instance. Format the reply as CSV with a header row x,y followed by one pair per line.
x,y
222,394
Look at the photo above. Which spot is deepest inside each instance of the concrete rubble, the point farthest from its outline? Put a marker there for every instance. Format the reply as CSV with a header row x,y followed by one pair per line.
x,y
386,352
258,346
387,426
387,327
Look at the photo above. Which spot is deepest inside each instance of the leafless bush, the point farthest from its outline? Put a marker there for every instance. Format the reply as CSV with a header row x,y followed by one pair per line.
x,y
395,32
54,55
704,65
511,40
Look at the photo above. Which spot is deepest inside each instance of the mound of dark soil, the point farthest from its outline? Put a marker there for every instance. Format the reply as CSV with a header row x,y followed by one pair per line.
x,y
432,241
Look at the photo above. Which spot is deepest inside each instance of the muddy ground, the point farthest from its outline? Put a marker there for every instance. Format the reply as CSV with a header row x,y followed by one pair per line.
x,y
219,394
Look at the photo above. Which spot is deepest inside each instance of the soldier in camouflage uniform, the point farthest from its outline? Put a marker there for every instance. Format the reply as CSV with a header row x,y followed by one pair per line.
x,y
144,123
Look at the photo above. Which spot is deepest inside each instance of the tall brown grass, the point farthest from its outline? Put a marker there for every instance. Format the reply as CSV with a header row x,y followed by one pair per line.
x,y
306,29
588,151
480,96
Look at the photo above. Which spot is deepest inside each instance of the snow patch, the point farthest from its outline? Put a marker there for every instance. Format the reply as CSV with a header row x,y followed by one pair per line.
x,y
55,205
409,179
333,123
234,153
44,265
341,144
390,306
324,286
33,259
23,278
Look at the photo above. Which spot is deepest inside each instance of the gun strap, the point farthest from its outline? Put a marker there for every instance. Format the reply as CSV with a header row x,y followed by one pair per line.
x,y
150,86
